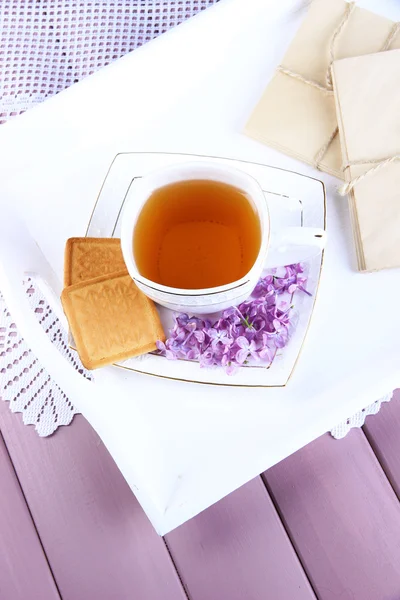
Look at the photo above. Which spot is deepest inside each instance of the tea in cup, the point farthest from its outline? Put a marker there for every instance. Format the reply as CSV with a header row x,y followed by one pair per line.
x,y
196,236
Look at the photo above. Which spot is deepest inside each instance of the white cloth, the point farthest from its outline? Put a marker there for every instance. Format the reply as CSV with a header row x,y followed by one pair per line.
x,y
46,47
190,91
75,38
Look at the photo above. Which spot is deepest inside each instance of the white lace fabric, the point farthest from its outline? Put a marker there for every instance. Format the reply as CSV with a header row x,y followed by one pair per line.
x,y
46,46
358,419
24,383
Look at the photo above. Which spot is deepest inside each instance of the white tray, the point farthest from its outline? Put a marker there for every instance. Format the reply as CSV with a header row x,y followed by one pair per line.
x,y
294,200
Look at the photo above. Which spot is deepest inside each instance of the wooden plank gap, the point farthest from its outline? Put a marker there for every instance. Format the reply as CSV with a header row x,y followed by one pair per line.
x,y
382,433
98,539
184,586
238,549
343,517
287,530
30,515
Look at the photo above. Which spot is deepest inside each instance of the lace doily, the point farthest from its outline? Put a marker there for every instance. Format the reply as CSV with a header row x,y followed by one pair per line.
x,y
46,46
24,383
358,419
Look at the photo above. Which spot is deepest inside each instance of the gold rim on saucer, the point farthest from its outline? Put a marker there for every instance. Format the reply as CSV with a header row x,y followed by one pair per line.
x,y
143,372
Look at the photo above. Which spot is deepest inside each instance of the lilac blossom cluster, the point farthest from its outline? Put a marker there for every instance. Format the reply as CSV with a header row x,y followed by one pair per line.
x,y
256,329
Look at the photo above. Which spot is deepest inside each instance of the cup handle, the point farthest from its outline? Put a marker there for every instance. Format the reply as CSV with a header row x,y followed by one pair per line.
x,y
294,244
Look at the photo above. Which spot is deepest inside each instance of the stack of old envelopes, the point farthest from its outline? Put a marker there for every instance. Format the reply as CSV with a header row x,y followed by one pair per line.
x,y
334,102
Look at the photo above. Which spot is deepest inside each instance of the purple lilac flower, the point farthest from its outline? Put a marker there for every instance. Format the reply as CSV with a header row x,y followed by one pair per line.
x,y
254,330
219,336
246,350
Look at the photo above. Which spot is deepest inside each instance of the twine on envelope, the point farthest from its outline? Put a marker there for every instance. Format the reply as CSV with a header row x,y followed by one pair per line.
x,y
349,9
392,34
323,150
328,87
311,82
379,164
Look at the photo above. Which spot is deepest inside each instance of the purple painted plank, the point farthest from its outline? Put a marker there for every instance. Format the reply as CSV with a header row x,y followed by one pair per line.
x,y
343,518
383,433
238,549
98,540
24,571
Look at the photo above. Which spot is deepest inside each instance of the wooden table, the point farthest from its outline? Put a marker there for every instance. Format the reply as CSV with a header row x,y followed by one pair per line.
x,y
324,523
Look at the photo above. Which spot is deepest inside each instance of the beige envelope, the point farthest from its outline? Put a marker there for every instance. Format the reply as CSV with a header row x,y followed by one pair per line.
x,y
367,93
300,119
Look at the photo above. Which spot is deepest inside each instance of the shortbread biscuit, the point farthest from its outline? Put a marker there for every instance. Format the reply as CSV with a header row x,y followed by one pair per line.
x,y
111,319
86,258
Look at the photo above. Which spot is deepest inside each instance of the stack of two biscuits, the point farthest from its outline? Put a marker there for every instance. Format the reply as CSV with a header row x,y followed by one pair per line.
x,y
109,317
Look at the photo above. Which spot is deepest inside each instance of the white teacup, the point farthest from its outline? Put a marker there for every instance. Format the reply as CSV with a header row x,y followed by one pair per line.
x,y
288,246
